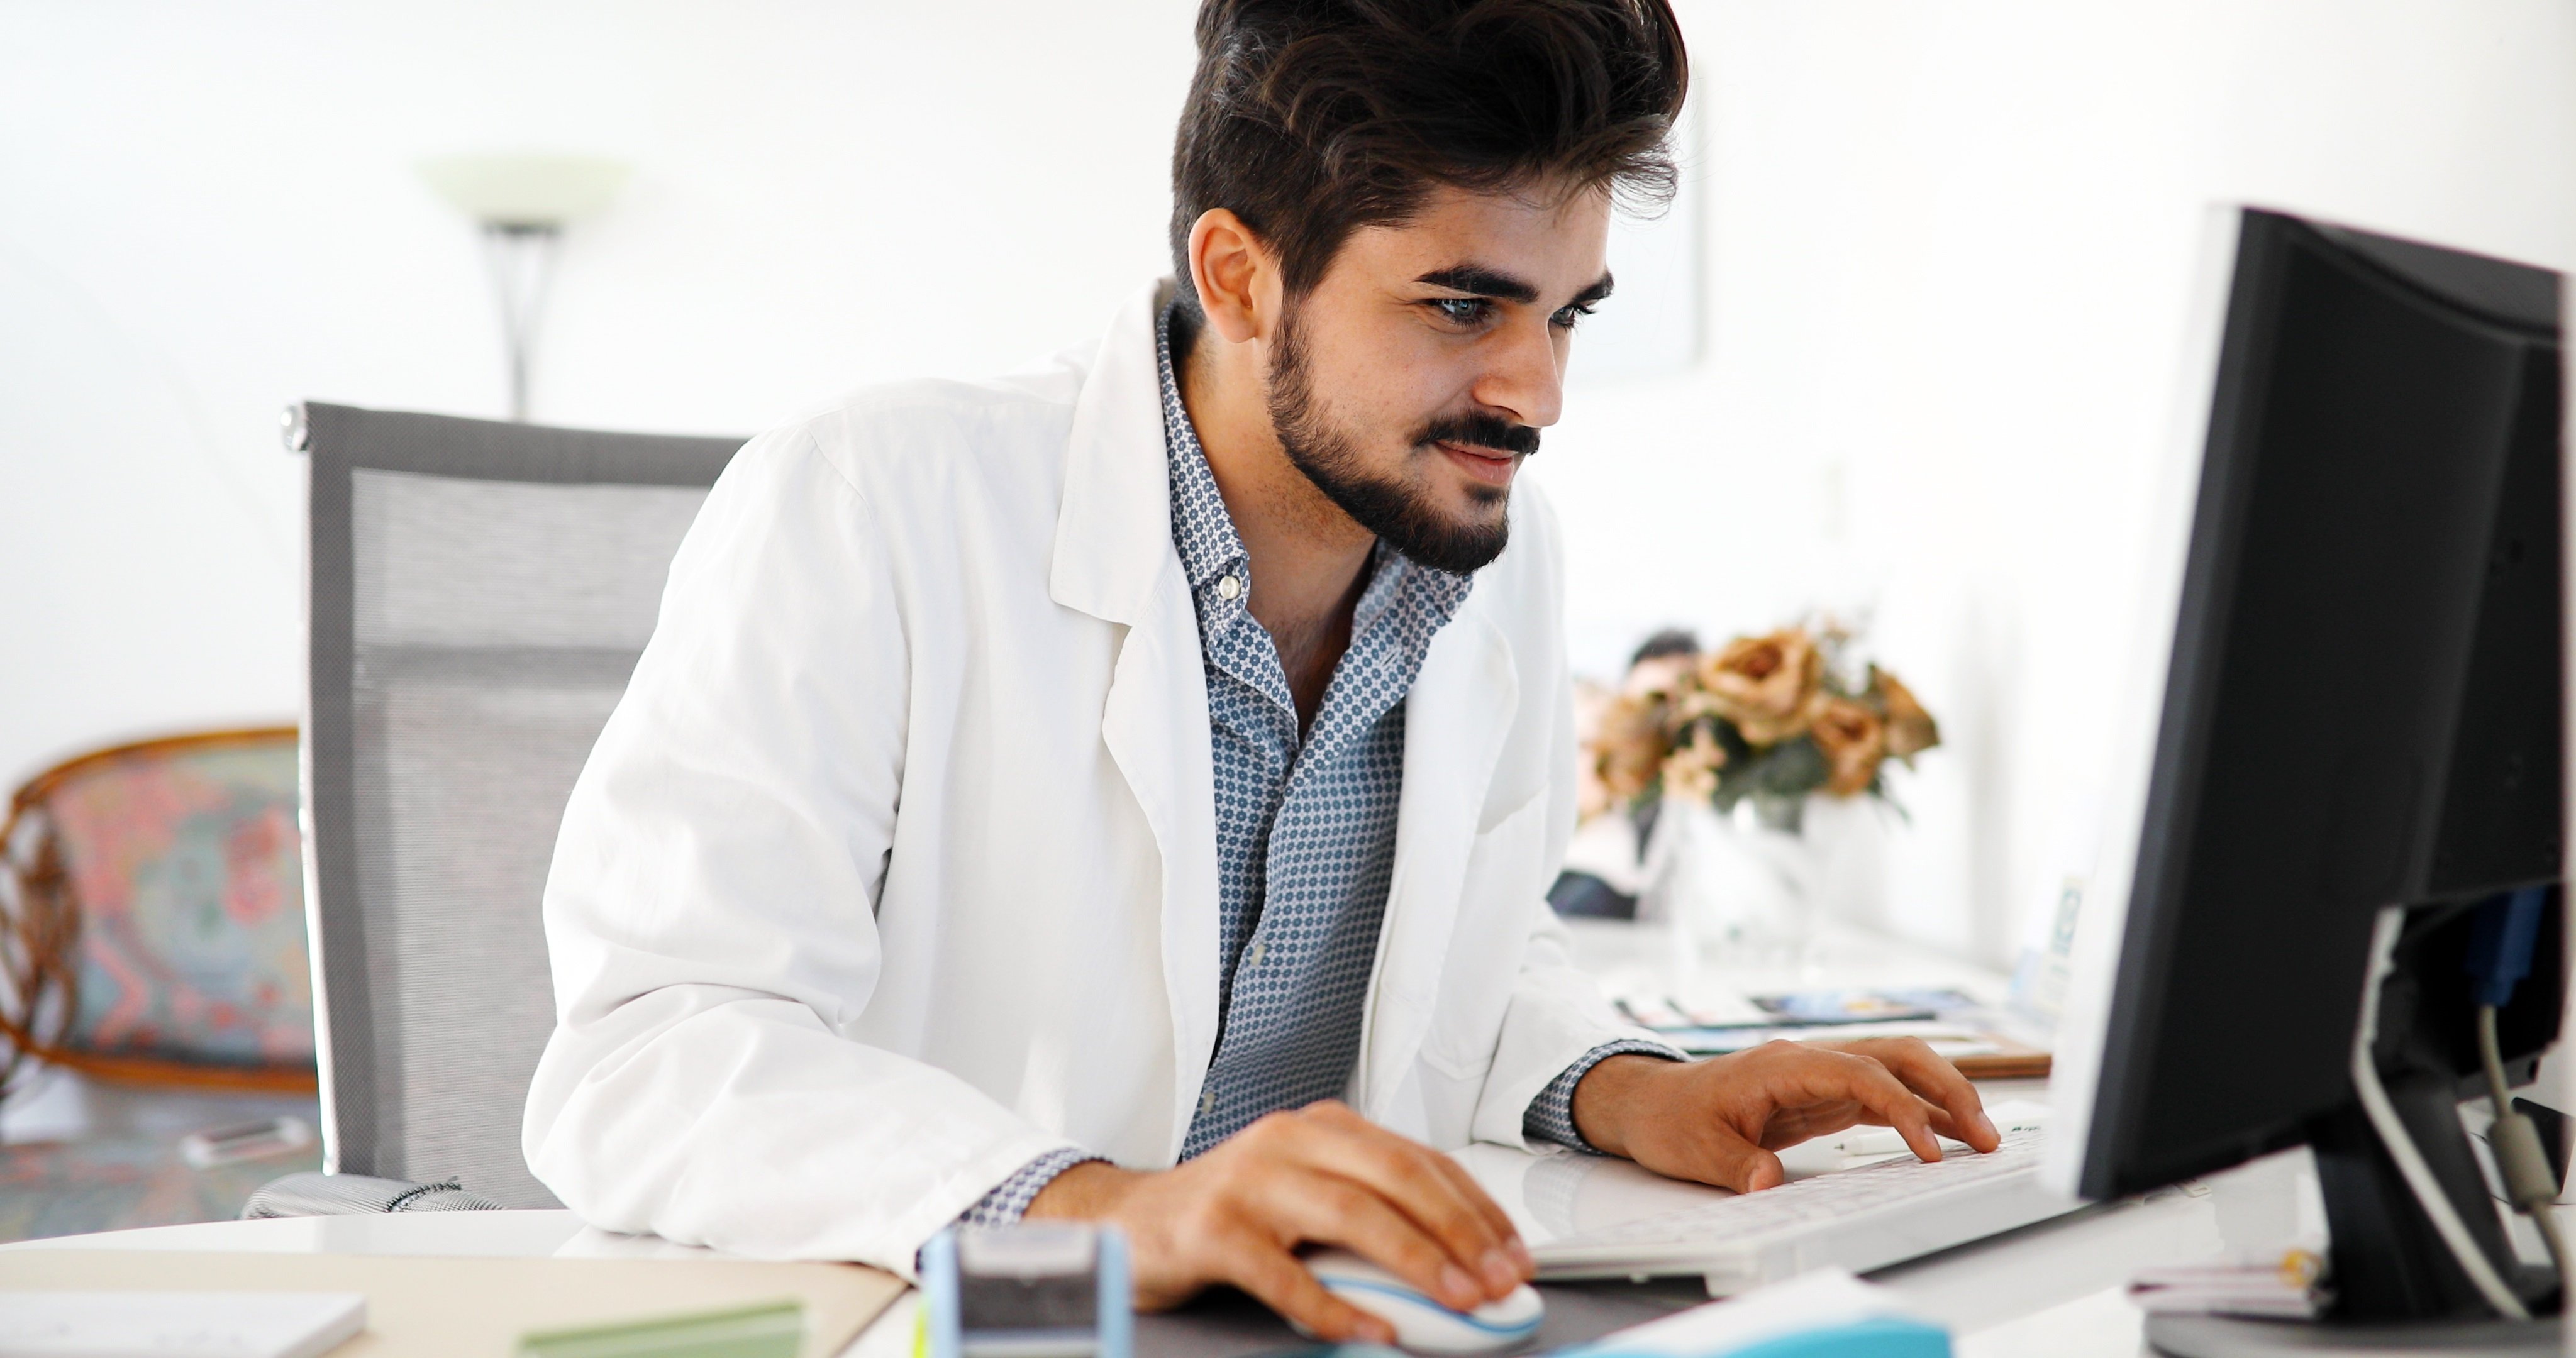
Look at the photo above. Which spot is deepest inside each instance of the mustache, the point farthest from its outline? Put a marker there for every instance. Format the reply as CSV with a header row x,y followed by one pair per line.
x,y
1480,430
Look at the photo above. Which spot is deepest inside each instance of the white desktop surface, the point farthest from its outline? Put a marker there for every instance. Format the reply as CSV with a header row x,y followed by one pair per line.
x,y
2054,1290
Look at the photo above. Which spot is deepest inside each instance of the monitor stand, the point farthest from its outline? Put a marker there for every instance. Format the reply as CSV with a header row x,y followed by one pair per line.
x,y
2398,1290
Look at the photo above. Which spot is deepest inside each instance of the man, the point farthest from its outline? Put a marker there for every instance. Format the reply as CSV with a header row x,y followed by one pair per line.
x,y
1048,797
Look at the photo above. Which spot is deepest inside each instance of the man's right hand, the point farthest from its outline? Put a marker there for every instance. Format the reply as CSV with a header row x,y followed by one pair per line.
x,y
1322,1175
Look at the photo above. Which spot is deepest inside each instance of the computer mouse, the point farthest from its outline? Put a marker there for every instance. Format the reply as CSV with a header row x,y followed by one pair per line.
x,y
1421,1323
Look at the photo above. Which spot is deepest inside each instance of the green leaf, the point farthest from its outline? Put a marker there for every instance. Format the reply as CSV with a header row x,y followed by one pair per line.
x,y
1792,768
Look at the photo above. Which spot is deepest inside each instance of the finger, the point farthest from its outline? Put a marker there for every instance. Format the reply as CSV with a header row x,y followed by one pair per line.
x,y
1454,1212
1736,1163
1958,1096
1929,1075
1947,1124
1337,1211
1820,1076
1521,1267
1281,1283
1789,1126
1935,1117
1890,1102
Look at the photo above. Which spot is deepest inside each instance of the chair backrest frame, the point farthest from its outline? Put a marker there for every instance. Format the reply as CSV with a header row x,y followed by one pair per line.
x,y
342,443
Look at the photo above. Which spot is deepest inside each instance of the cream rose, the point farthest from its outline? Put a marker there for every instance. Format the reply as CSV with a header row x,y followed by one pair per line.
x,y
1691,772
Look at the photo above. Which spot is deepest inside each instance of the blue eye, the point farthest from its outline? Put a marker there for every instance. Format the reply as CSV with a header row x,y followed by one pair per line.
x,y
1463,310
1566,318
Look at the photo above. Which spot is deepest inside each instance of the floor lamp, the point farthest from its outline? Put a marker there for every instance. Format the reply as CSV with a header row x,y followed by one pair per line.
x,y
522,203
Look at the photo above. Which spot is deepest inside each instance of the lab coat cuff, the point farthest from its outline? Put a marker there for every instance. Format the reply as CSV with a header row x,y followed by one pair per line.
x,y
1543,1036
959,1195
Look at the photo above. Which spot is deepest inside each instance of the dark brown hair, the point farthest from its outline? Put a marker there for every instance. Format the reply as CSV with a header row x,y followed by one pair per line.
x,y
1312,118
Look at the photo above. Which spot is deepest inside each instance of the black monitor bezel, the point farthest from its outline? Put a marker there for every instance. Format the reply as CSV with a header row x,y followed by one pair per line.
x,y
2114,1160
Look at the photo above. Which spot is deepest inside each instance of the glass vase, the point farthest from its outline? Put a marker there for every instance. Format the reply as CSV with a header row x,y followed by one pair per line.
x,y
1739,889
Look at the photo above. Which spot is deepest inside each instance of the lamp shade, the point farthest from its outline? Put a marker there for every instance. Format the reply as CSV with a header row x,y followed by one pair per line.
x,y
533,191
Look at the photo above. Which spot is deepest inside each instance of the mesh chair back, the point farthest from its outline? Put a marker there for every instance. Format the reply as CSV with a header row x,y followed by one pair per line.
x,y
477,595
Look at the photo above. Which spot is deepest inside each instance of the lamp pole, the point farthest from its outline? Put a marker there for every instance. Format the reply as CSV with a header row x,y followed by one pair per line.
x,y
521,202
521,259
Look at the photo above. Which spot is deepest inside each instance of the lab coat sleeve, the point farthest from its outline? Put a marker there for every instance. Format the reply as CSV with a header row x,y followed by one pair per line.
x,y
1557,1014
711,909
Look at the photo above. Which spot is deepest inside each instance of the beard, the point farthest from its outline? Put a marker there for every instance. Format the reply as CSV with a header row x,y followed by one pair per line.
x,y
1400,514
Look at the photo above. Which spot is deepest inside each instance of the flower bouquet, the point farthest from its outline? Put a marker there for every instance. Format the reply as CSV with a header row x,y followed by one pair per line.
x,y
1770,719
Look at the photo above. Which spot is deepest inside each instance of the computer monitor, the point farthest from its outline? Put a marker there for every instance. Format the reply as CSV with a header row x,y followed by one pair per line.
x,y
2358,642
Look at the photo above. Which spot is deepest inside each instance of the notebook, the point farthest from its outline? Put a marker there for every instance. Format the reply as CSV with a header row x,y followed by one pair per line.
x,y
177,1324
450,1307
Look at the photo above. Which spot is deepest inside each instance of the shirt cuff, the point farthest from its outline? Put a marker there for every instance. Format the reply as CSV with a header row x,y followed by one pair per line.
x,y
1551,1114
1009,1201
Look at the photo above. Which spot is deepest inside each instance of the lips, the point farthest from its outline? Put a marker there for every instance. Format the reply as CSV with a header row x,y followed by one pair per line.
x,y
1493,466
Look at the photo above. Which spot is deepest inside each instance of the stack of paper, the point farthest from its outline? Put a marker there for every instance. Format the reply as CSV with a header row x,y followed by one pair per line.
x,y
2289,1289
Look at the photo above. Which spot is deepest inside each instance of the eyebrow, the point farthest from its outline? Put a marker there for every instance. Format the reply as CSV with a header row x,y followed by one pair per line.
x,y
1481,281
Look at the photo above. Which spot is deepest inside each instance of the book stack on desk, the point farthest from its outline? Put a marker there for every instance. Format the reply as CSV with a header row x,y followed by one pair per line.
x,y
1950,1022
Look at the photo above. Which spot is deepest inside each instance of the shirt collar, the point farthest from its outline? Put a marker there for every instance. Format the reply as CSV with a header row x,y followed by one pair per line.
x,y
1201,527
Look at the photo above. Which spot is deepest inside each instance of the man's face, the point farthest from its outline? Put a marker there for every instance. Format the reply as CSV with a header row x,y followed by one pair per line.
x,y
1413,380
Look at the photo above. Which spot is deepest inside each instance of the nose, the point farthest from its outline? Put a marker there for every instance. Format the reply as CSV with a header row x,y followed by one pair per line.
x,y
1524,374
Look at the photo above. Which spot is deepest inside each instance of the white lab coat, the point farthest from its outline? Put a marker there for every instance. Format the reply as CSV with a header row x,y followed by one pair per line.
x,y
896,866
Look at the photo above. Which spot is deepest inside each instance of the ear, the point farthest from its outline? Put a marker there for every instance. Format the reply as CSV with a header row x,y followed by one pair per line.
x,y
1236,275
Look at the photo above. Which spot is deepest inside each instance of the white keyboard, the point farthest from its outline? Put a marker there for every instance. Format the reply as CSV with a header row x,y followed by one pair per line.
x,y
1861,1218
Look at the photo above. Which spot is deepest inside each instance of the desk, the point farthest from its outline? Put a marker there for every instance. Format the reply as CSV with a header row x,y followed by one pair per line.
x,y
2054,1290
2050,1291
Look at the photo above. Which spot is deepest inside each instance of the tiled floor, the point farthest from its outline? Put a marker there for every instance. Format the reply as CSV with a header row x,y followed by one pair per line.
x,y
78,1157
109,1183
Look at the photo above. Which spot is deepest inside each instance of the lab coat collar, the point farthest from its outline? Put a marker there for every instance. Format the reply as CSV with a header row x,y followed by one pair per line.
x,y
1113,536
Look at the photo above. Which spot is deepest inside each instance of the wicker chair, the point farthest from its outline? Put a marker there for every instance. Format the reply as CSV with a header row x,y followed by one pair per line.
x,y
152,953
153,904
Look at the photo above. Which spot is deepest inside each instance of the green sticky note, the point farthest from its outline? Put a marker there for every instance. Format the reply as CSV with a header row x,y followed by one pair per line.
x,y
771,1329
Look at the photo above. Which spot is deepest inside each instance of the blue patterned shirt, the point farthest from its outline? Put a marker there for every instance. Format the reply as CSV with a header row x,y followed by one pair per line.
x,y
1305,826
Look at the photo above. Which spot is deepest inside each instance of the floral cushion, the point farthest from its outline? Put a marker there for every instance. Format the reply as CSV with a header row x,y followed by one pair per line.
x,y
186,865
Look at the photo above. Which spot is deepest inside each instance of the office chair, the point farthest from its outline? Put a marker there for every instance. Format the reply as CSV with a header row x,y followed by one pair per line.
x,y
477,594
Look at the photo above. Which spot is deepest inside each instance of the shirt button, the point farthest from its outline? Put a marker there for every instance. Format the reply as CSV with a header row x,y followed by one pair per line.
x,y
1207,1103
1229,588
1253,958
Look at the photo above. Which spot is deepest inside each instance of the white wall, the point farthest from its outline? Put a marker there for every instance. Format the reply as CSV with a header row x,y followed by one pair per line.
x,y
1945,254
208,211
1950,249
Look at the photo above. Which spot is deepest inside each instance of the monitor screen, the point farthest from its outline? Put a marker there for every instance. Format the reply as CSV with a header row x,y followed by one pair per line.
x,y
2360,702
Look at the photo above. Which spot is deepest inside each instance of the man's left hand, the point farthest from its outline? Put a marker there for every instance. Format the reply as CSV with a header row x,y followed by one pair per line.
x,y
1718,1121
